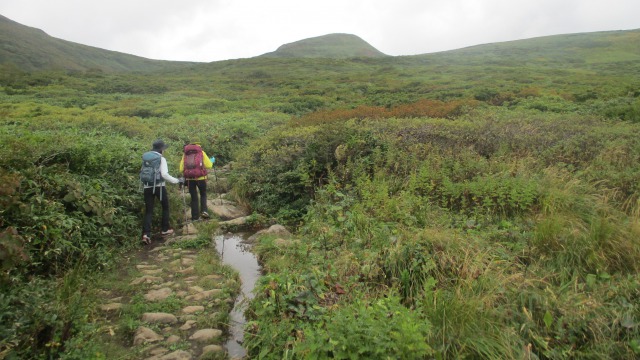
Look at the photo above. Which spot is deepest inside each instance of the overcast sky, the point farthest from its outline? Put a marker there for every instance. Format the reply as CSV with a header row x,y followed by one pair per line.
x,y
213,30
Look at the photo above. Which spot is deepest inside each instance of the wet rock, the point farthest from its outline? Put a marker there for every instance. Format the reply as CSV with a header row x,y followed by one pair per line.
x,y
158,351
187,325
173,339
111,307
161,318
204,295
147,279
228,211
193,309
276,229
235,222
212,349
144,335
206,335
157,295
152,272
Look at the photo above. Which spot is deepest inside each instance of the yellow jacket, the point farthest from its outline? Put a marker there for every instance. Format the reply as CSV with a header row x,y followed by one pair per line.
x,y
205,161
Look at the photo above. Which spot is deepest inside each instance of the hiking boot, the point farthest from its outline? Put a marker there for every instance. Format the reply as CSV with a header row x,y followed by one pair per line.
x,y
168,232
205,215
146,239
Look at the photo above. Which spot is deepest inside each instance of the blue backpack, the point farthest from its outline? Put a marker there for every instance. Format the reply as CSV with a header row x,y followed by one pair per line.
x,y
150,170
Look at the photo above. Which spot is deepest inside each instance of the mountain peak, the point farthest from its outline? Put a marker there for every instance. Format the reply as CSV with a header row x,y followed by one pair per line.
x,y
327,46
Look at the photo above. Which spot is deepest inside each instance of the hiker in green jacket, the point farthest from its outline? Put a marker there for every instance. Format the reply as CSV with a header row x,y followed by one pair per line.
x,y
193,166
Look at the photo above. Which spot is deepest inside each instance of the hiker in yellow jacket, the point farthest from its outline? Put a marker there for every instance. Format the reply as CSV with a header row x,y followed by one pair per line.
x,y
193,166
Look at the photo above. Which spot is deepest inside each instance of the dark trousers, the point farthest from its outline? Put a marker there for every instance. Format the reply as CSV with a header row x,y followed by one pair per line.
x,y
194,187
149,201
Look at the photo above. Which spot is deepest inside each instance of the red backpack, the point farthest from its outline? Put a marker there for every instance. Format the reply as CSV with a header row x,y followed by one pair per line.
x,y
193,165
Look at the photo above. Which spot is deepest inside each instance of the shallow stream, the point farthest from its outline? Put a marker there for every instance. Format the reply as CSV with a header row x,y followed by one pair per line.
x,y
235,253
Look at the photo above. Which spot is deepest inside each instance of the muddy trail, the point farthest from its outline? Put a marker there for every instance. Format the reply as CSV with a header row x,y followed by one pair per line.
x,y
179,299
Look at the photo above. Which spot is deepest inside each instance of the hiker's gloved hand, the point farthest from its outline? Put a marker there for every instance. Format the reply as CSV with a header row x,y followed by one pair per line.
x,y
180,183
213,160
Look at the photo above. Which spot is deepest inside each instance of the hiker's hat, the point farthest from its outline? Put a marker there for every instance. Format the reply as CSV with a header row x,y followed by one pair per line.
x,y
159,145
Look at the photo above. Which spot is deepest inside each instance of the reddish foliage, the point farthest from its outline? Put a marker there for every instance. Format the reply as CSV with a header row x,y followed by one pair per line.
x,y
421,108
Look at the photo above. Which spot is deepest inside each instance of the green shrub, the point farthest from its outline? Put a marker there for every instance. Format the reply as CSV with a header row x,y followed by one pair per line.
x,y
379,329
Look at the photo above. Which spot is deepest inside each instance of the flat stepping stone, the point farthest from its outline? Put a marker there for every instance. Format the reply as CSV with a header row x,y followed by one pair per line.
x,y
159,318
228,211
212,349
193,309
158,351
187,261
204,295
152,272
235,222
111,307
206,335
173,339
144,335
195,289
187,325
157,295
147,279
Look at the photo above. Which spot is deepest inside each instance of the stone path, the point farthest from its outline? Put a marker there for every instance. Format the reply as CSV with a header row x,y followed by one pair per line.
x,y
181,306
177,301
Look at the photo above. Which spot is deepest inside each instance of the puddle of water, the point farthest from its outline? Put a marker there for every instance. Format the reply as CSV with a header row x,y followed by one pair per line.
x,y
235,253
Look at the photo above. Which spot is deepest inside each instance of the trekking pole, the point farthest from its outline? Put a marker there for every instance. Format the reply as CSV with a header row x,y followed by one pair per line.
x,y
184,208
215,176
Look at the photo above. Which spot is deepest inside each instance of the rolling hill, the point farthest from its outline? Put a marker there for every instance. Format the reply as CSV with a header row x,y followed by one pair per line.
x,y
32,49
327,46
613,52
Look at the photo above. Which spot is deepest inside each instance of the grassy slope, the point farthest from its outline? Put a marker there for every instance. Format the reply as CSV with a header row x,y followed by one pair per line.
x,y
32,49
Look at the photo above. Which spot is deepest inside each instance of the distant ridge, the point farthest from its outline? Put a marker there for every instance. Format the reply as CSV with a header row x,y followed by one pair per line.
x,y
327,46
32,49
565,50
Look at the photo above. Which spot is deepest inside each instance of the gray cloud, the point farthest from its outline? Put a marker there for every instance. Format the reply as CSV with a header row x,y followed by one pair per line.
x,y
210,30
